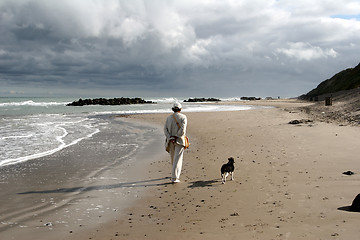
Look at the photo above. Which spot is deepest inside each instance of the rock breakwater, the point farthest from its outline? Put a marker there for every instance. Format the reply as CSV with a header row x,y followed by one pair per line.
x,y
113,101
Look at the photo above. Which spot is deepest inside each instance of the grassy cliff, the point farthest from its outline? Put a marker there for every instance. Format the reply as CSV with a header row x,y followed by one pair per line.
x,y
344,80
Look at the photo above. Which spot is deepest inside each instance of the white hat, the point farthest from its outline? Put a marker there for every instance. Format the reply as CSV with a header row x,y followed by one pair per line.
x,y
177,105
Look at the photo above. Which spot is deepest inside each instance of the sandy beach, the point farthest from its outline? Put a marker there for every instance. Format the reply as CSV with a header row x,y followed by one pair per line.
x,y
288,181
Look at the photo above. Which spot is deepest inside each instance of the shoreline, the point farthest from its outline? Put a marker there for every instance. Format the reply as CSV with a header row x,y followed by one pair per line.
x,y
288,181
73,190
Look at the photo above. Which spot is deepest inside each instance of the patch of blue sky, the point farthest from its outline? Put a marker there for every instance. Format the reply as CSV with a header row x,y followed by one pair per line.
x,y
347,16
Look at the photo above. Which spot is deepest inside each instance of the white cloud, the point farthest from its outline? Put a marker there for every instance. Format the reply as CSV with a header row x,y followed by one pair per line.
x,y
130,30
305,51
320,8
2,52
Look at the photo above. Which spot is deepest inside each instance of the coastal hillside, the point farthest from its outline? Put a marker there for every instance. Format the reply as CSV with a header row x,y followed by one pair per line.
x,y
344,89
345,80
345,108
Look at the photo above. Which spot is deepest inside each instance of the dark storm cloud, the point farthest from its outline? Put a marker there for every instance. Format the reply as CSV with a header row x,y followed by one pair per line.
x,y
225,48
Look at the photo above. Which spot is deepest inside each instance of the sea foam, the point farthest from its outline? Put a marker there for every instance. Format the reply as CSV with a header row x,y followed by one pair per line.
x,y
35,137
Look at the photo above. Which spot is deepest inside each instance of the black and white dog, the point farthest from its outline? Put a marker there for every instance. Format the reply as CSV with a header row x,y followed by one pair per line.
x,y
226,169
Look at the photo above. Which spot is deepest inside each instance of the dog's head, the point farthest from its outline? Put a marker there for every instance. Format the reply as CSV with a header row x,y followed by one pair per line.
x,y
231,160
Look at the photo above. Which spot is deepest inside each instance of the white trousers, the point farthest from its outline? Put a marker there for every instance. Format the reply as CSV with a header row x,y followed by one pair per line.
x,y
177,155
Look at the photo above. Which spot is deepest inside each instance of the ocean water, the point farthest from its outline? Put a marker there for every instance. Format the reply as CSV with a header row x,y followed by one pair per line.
x,y
35,127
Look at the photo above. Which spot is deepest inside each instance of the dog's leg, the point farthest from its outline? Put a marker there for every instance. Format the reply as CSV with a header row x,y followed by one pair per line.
x,y
222,178
232,175
226,174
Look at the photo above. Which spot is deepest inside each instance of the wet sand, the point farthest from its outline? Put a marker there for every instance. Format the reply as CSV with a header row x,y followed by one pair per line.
x,y
78,188
288,182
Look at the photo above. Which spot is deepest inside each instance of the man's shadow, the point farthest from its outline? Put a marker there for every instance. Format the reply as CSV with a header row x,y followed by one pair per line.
x,y
144,183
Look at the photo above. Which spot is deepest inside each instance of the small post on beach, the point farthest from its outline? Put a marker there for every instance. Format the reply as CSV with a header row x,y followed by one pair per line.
x,y
328,101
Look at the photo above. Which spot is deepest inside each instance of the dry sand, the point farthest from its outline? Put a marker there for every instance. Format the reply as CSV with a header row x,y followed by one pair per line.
x,y
288,181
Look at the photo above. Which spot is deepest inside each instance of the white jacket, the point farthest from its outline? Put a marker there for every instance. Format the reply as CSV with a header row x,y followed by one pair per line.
x,y
172,129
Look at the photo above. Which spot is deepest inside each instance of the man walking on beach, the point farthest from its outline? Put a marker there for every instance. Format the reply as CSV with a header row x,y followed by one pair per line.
x,y
175,130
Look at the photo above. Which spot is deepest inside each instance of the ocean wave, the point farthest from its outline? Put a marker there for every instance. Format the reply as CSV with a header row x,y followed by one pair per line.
x,y
17,137
32,103
41,135
48,152
166,100
230,99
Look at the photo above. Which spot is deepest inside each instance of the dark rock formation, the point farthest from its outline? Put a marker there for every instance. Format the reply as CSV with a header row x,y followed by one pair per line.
x,y
250,98
355,206
202,100
300,121
104,101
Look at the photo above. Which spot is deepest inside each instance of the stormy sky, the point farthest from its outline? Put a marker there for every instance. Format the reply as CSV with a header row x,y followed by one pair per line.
x,y
202,48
